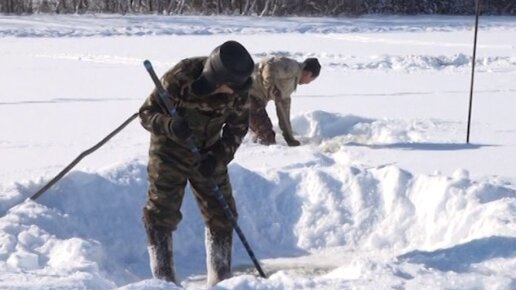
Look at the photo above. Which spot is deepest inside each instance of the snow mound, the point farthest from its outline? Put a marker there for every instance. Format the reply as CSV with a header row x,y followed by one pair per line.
x,y
402,63
88,227
333,129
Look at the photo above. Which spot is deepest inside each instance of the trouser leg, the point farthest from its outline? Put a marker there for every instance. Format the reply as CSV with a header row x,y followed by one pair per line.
x,y
260,124
161,213
219,228
160,251
218,255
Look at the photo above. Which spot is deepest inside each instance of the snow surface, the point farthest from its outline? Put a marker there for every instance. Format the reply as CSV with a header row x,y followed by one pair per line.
x,y
383,194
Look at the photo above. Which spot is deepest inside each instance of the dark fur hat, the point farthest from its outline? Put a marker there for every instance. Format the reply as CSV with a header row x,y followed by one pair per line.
x,y
229,63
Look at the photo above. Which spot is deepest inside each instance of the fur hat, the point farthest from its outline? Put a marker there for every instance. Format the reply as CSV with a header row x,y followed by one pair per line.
x,y
229,63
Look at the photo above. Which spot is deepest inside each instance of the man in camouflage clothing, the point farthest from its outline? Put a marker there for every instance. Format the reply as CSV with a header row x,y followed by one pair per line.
x,y
276,79
211,97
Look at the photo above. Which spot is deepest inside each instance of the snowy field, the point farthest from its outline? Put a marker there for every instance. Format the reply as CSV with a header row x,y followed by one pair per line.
x,y
383,194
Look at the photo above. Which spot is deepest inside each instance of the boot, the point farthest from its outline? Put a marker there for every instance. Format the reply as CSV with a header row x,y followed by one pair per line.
x,y
264,137
291,141
160,253
218,255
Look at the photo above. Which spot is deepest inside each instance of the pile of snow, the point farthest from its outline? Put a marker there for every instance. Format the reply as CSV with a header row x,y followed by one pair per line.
x,y
87,231
334,131
403,63
413,63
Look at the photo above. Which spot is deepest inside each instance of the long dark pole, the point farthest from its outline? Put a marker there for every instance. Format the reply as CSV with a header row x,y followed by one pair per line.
x,y
473,61
166,102
81,156
78,159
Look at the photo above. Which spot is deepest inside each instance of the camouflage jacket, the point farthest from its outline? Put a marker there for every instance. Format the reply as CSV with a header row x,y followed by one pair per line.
x,y
279,73
276,79
223,117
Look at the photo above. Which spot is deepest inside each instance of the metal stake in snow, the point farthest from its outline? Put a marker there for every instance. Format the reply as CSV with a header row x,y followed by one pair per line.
x,y
166,103
473,61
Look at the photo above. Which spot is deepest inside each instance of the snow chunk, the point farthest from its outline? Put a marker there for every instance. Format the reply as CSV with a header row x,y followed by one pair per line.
x,y
24,260
75,254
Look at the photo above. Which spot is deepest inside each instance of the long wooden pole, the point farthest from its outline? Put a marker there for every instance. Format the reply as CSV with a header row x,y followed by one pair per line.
x,y
473,61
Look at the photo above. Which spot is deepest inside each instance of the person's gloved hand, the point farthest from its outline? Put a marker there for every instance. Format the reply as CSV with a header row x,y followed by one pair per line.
x,y
207,165
214,156
178,127
276,93
291,141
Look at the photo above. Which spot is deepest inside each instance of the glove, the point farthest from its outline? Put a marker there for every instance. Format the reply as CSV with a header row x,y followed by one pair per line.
x,y
291,141
276,93
178,127
208,165
215,155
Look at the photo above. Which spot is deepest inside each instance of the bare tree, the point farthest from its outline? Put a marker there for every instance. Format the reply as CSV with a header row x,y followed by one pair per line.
x,y
249,6
9,6
180,7
79,6
266,8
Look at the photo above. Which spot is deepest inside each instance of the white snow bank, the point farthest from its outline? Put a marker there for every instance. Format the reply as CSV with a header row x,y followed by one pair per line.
x,y
87,229
115,25
333,129
73,231
403,63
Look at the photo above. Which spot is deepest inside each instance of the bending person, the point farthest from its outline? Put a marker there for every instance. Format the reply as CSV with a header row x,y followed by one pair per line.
x,y
275,79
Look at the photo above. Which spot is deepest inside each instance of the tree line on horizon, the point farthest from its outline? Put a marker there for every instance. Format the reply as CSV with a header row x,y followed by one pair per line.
x,y
259,7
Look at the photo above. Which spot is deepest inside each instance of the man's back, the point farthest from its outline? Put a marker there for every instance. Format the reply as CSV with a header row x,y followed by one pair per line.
x,y
275,73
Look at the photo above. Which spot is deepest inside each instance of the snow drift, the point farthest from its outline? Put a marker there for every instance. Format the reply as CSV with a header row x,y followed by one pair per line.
x,y
87,229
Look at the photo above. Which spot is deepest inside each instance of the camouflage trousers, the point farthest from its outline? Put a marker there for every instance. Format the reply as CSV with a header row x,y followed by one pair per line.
x,y
169,169
260,124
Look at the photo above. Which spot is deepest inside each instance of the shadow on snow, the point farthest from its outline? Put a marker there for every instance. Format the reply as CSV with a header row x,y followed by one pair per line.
x,y
460,257
423,146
